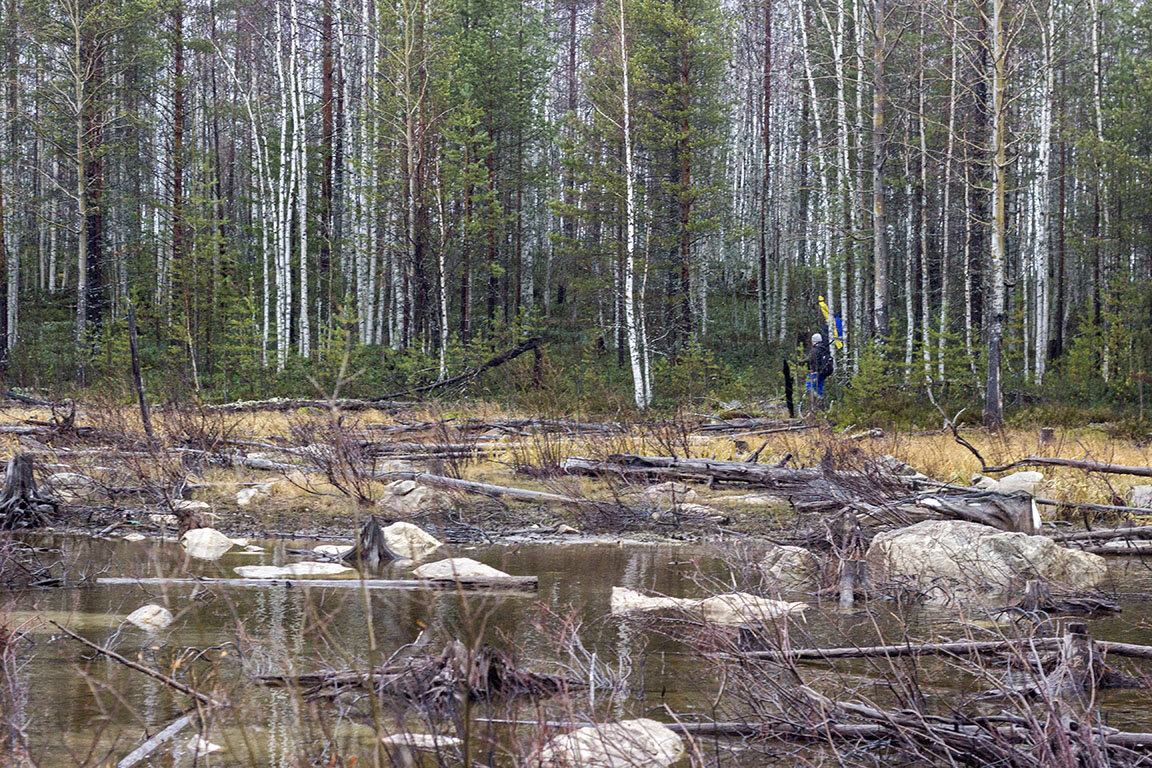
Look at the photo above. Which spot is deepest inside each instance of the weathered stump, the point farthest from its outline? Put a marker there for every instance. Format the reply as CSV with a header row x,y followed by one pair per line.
x,y
21,505
371,547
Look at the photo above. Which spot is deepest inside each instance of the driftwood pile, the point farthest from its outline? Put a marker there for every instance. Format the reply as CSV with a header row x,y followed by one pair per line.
x,y
439,683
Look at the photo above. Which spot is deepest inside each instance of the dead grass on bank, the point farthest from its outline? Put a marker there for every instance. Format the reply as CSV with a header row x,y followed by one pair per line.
x,y
533,461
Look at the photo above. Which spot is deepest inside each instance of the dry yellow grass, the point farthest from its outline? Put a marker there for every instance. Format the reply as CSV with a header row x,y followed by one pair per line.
x,y
937,454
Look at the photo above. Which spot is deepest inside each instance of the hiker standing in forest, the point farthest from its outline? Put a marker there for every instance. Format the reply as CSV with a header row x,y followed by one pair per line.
x,y
820,365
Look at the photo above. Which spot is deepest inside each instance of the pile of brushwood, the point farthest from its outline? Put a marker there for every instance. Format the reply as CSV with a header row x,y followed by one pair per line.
x,y
436,683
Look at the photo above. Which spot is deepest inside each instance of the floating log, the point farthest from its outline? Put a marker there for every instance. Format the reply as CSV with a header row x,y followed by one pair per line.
x,y
508,582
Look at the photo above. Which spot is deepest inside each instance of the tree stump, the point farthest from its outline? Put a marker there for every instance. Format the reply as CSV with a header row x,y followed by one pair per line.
x,y
371,548
21,505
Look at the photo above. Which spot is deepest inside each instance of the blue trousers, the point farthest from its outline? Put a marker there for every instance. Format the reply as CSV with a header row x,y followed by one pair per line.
x,y
815,382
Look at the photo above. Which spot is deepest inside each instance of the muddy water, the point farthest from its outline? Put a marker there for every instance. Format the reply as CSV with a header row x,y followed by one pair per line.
x,y
86,710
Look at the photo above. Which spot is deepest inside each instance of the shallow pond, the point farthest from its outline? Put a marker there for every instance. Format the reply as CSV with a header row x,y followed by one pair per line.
x,y
83,709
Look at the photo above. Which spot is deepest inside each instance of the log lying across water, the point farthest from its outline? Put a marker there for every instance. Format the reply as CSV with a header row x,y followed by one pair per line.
x,y
956,648
494,583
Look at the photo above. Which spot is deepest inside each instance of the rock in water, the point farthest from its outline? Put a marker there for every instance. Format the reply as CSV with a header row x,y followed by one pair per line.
x,y
973,559
134,537
205,543
456,568
640,743
626,600
410,541
198,745
791,567
151,618
292,570
742,608
334,549
731,608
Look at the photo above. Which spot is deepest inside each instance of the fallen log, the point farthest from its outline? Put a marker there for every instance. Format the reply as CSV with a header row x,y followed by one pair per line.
x,y
150,745
505,356
1138,531
292,404
494,583
169,681
1084,464
957,648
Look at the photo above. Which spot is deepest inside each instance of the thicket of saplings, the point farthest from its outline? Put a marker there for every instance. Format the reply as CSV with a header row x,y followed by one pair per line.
x,y
1099,376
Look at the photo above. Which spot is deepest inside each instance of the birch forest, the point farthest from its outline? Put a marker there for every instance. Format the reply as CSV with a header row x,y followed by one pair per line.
x,y
297,195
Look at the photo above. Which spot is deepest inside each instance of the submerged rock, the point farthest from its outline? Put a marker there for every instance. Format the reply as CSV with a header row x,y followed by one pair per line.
x,y
409,541
334,549
458,568
730,608
151,618
292,570
640,743
971,558
205,543
198,745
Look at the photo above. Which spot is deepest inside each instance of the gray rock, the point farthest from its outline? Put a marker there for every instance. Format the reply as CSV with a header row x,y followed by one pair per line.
x,y
1141,496
791,567
407,497
205,543
968,559
640,743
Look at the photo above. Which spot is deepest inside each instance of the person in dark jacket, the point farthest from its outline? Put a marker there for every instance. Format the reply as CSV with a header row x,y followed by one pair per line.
x,y
820,364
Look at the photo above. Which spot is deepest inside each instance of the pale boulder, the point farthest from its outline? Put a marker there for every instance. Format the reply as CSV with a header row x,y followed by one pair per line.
x,y
968,558
198,745
246,496
150,618
640,743
205,543
626,600
456,568
730,608
742,608
134,537
790,567
409,541
407,497
670,492
188,505
1010,483
69,480
1141,496
334,549
290,571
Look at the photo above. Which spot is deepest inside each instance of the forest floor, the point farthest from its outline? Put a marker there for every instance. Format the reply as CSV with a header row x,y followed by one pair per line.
x,y
316,473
